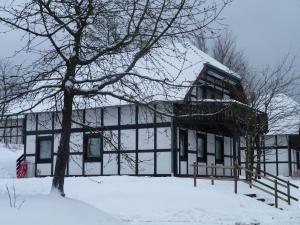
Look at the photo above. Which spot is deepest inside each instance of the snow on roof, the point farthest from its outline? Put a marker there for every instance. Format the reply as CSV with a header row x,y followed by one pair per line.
x,y
284,115
178,64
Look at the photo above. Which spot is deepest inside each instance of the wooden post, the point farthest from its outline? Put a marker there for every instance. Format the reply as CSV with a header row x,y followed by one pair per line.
x,y
288,192
250,180
235,178
276,194
195,174
212,169
212,180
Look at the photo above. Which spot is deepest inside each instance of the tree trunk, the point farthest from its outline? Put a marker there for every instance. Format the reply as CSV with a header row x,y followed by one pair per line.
x,y
64,147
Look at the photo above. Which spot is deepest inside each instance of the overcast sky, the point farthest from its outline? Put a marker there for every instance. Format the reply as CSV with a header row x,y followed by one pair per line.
x,y
266,30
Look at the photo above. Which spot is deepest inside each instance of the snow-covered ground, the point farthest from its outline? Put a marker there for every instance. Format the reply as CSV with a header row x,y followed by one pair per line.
x,y
138,201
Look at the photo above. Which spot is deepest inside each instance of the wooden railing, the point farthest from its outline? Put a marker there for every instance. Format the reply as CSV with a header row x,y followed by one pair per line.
x,y
18,162
253,179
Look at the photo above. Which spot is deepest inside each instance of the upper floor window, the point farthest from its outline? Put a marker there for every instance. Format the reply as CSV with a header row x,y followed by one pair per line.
x,y
219,154
183,144
208,93
44,149
200,93
93,147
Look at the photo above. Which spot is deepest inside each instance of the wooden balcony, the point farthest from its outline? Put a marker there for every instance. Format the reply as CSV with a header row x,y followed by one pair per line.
x,y
221,113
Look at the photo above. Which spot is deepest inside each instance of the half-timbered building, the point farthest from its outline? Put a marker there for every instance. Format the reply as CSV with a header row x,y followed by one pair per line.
x,y
202,124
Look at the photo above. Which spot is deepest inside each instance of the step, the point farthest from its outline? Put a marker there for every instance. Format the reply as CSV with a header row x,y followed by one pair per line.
x,y
261,199
251,195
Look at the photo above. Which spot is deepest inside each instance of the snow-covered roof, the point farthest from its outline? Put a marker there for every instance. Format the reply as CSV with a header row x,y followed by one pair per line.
x,y
178,64
284,115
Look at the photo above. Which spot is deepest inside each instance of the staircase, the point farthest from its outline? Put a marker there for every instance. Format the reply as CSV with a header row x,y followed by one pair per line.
x,y
274,186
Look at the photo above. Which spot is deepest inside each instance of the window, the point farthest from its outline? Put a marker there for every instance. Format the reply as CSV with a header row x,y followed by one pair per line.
x,y
201,147
219,150
93,147
200,93
298,159
183,144
209,94
218,95
44,149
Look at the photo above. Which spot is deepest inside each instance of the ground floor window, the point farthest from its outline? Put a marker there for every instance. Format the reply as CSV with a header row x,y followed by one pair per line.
x,y
183,144
219,148
201,147
92,147
44,149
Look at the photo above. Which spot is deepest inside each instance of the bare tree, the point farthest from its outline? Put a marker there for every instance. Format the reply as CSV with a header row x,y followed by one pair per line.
x,y
263,92
88,49
225,50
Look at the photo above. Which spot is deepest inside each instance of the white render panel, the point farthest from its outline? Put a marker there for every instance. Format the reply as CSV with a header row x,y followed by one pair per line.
x,y
110,141
128,164
76,142
283,155
270,155
219,172
30,122
162,109
164,138
77,116
92,168
75,165
183,167
146,138
282,140
44,121
30,160
210,159
43,169
269,140
128,114
128,139
163,163
110,164
271,168
191,159
146,163
211,143
145,115
283,169
110,116
57,120
202,170
30,144
227,150
56,142
192,140
93,117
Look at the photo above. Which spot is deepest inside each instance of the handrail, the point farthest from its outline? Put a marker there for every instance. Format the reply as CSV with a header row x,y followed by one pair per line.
x,y
253,177
18,162
278,178
259,175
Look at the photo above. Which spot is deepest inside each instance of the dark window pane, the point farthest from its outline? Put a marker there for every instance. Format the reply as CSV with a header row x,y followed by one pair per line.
x,y
201,147
93,148
45,149
200,93
183,139
219,151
